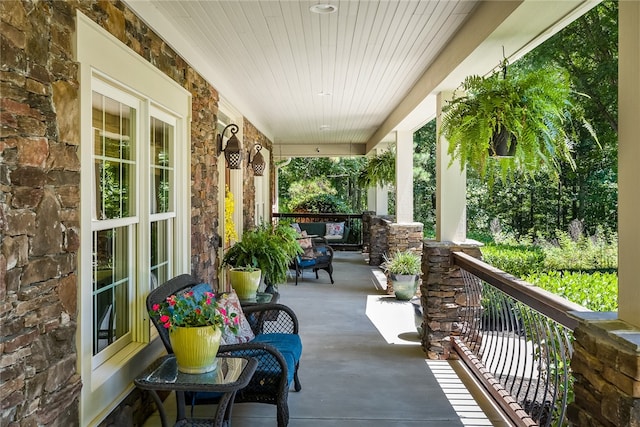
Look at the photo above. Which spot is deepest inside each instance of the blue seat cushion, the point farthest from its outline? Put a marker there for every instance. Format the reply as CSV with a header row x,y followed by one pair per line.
x,y
289,345
305,263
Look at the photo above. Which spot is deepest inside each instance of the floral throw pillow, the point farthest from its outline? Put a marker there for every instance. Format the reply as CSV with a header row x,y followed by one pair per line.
x,y
305,242
231,303
334,229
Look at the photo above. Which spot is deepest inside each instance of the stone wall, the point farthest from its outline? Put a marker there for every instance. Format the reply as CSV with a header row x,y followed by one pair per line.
x,y
405,237
379,232
400,238
606,369
252,136
39,215
367,217
40,197
443,296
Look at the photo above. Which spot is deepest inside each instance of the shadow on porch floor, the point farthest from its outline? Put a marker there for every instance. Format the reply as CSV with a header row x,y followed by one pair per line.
x,y
362,363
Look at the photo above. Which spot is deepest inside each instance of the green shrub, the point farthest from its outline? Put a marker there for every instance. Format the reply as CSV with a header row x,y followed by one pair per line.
x,y
595,291
517,260
575,251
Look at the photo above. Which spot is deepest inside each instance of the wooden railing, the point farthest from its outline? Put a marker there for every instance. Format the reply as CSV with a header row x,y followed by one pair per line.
x,y
517,339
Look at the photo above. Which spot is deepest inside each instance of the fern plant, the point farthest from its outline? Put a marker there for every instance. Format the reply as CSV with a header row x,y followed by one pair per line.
x,y
271,248
534,108
379,170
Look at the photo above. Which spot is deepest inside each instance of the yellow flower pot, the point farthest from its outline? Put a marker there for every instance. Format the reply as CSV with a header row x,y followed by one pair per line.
x,y
245,283
195,348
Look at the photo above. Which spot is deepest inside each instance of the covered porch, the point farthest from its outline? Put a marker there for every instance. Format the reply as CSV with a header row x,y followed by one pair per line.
x,y
65,64
363,363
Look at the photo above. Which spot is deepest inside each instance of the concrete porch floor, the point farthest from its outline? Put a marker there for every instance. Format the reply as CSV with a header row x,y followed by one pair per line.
x,y
362,363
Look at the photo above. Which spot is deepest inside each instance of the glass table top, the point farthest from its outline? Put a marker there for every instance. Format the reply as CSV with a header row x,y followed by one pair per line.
x,y
228,370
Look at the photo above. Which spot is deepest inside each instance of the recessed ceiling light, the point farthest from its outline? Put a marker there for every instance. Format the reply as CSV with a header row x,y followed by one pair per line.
x,y
323,93
323,8
324,127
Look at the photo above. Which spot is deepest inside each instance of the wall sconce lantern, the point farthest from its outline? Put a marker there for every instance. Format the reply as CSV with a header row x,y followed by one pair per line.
x,y
258,161
232,151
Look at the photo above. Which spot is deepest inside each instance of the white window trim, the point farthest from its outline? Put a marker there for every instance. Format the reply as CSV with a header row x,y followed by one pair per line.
x,y
101,54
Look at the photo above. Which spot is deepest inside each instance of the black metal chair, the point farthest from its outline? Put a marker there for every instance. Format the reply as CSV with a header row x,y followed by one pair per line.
x,y
277,346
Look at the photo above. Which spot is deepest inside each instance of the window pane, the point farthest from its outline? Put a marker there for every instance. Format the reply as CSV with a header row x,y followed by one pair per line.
x,y
160,247
114,136
114,184
110,286
162,135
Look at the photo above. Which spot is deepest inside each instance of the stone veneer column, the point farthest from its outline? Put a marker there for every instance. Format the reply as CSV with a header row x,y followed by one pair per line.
x,y
606,369
367,218
405,236
443,295
378,243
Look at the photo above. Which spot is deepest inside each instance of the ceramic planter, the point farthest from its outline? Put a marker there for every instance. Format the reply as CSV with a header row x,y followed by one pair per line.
x,y
405,285
245,283
195,348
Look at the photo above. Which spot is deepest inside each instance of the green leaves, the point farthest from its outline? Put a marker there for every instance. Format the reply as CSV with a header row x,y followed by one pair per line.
x,y
535,107
379,170
267,247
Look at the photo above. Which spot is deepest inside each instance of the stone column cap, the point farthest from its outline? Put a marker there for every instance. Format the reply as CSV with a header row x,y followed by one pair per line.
x,y
606,324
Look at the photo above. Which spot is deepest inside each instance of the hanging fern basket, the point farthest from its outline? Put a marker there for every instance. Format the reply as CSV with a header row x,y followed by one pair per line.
x,y
503,144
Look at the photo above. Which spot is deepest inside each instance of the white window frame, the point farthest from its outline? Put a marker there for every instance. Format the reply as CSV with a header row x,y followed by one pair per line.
x,y
104,59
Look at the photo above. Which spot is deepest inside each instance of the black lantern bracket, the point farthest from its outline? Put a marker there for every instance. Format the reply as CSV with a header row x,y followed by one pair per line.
x,y
257,163
232,151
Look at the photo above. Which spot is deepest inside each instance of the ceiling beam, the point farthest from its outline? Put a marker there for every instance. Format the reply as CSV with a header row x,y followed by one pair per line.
x,y
321,150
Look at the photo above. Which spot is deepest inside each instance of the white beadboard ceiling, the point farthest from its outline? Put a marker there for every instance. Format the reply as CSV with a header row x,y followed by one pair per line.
x,y
340,83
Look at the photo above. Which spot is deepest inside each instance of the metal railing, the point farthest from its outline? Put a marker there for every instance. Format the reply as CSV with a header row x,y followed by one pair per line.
x,y
351,220
517,339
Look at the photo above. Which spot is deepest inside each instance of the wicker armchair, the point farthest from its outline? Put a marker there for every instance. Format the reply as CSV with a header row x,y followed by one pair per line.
x,y
322,259
277,347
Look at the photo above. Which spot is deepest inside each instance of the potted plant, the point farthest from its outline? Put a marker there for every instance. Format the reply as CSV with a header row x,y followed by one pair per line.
x,y
403,270
379,170
195,321
270,248
530,113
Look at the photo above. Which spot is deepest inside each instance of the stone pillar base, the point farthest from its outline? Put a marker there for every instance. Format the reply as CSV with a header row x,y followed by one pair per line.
x,y
606,369
443,295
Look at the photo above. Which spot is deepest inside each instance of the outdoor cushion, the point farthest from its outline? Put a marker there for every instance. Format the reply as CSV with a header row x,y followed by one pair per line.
x,y
231,303
333,237
289,345
334,229
306,263
305,242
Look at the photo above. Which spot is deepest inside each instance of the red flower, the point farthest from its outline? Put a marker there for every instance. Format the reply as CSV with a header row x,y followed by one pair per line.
x,y
156,307
164,318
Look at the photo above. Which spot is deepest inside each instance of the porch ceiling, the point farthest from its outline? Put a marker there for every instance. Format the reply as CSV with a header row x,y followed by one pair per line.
x,y
341,83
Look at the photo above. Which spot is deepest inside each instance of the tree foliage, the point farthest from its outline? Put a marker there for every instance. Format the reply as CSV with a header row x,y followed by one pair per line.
x,y
330,180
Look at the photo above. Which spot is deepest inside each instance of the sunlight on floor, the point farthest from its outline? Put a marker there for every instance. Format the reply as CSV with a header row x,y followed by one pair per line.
x,y
394,319
466,396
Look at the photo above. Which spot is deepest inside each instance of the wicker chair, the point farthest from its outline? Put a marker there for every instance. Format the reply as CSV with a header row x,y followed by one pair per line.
x,y
322,260
277,347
